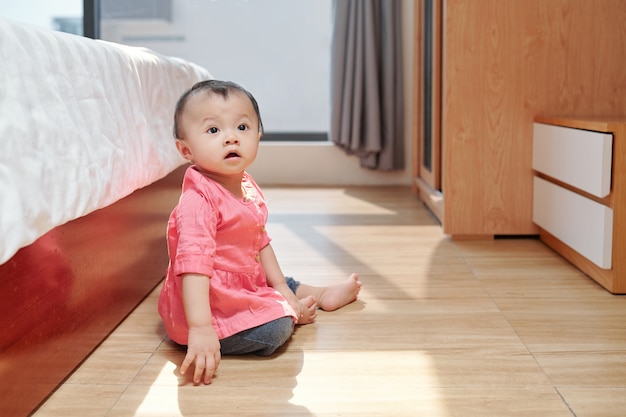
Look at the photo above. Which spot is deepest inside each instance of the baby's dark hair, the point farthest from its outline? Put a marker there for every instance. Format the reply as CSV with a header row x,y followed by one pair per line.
x,y
222,88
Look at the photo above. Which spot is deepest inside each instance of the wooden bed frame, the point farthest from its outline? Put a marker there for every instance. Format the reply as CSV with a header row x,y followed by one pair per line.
x,y
62,295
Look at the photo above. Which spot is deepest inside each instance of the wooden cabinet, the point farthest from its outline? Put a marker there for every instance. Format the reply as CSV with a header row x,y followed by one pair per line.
x,y
495,66
579,194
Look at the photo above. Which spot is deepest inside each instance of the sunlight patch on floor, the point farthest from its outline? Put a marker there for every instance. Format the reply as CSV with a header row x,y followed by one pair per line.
x,y
162,396
331,200
410,383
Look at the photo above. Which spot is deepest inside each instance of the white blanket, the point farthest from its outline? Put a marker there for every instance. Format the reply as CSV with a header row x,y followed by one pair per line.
x,y
83,123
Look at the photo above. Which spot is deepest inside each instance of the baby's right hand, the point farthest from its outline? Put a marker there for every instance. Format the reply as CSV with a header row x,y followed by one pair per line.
x,y
203,350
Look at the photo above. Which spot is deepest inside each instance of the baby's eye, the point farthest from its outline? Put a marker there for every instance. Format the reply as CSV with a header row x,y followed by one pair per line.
x,y
213,130
242,127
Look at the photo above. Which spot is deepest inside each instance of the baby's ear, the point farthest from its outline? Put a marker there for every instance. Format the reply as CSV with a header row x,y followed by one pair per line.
x,y
183,149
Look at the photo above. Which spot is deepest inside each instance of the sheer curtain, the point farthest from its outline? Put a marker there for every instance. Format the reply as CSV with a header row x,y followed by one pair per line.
x,y
366,82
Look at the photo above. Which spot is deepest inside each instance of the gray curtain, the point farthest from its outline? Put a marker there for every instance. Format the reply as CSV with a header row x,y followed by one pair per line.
x,y
366,82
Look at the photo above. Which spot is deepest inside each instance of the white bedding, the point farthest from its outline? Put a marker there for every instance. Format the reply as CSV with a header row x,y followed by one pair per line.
x,y
83,123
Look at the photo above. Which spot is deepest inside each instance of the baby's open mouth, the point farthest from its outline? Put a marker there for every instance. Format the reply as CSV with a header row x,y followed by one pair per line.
x,y
232,155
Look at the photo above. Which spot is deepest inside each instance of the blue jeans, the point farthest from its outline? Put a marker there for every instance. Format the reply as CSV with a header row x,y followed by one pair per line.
x,y
262,340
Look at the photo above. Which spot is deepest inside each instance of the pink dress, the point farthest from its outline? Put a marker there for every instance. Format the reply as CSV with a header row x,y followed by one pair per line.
x,y
211,232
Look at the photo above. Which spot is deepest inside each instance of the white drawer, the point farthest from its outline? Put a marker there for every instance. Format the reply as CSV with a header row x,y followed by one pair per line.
x,y
580,158
583,224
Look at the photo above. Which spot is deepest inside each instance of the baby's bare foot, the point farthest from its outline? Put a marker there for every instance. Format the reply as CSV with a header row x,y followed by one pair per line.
x,y
309,311
339,295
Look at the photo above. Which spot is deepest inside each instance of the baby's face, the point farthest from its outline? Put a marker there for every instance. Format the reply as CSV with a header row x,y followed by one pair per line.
x,y
220,135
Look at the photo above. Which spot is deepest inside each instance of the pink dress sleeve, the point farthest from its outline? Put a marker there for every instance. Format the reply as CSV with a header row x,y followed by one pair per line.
x,y
196,227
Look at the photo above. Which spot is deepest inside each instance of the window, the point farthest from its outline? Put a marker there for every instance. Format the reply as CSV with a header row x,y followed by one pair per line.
x,y
63,15
277,49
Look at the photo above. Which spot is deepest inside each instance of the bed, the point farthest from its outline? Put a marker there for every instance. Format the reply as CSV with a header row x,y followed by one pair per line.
x,y
88,175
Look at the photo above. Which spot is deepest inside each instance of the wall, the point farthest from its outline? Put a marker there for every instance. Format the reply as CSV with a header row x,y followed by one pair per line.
x,y
506,61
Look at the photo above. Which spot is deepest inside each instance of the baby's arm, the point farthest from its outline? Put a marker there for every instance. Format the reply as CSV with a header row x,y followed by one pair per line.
x,y
276,279
203,347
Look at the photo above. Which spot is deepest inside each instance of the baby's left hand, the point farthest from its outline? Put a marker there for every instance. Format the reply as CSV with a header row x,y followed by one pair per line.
x,y
307,310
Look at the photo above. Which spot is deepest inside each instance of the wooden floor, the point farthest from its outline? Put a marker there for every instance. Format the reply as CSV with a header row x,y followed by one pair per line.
x,y
442,328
